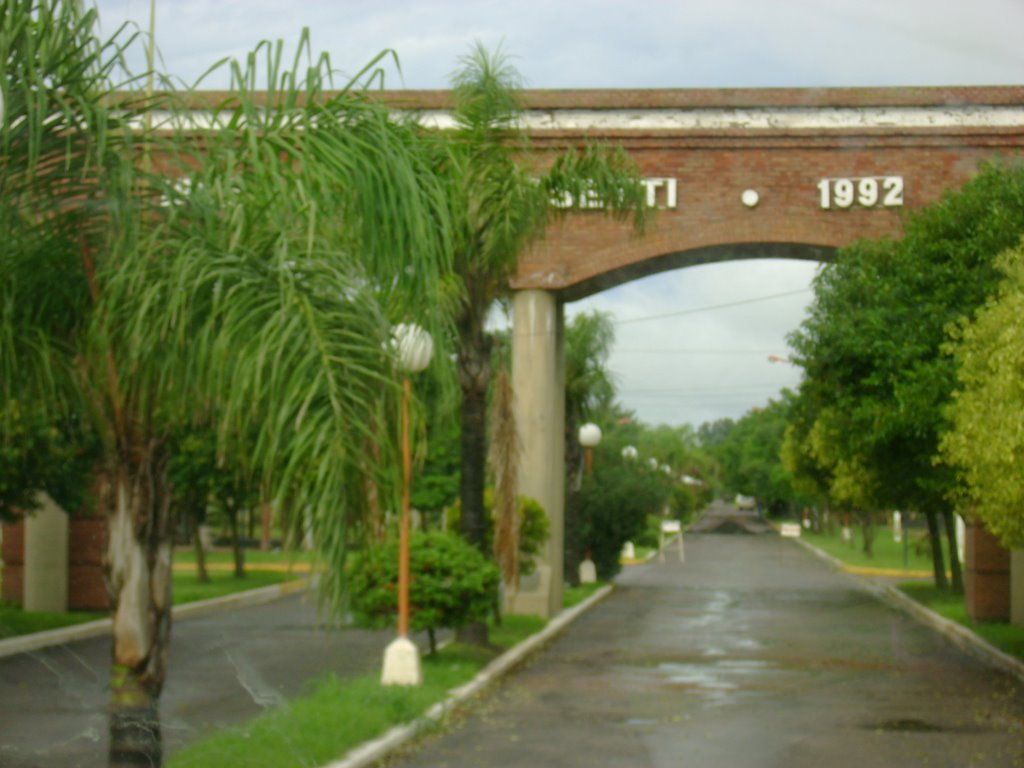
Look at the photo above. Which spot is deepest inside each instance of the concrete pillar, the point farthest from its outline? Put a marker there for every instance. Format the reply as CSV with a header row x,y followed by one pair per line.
x,y
1017,586
538,379
46,557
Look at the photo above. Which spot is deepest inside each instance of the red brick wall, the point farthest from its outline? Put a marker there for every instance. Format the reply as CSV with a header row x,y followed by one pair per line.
x,y
587,252
14,562
87,589
986,576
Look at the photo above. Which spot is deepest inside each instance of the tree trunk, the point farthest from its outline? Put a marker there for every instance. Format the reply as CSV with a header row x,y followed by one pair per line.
x,y
265,525
573,550
138,569
236,543
474,378
201,572
868,532
954,556
938,565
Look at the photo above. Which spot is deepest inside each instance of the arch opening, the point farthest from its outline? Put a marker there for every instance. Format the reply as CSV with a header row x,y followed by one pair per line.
x,y
674,260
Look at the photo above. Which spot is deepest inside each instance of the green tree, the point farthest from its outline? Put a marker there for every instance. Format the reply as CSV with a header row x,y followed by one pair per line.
x,y
872,346
499,201
986,440
615,501
751,456
263,291
589,392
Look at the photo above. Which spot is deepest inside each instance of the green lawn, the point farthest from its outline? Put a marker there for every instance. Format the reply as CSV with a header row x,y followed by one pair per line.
x,y
575,595
1007,637
306,730
14,621
887,553
253,557
187,589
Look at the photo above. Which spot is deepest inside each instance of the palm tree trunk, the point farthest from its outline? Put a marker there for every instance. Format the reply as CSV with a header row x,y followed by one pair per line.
x,y
139,580
573,551
474,377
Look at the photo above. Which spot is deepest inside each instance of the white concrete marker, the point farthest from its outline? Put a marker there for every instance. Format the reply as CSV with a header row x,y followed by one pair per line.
x,y
401,663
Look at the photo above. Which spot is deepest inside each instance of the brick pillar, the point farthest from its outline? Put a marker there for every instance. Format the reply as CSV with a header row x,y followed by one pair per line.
x,y
87,587
986,576
14,562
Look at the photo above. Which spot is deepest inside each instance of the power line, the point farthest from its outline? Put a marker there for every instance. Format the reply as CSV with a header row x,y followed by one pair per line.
x,y
697,351
695,310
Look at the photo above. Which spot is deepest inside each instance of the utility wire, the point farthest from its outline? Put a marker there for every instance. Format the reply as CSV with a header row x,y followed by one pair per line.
x,y
695,310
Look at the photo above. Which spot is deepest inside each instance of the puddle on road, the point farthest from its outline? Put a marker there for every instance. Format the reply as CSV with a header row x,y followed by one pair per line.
x,y
718,683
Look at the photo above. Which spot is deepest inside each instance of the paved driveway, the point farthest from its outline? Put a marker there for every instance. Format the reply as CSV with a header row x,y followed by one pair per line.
x,y
225,668
751,653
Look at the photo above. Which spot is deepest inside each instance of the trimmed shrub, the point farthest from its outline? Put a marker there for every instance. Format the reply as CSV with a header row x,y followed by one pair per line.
x,y
451,584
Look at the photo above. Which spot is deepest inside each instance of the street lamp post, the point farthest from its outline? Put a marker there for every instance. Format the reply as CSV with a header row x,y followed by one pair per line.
x,y
590,438
401,658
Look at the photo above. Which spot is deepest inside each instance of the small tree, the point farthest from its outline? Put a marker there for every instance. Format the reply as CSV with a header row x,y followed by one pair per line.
x,y
452,584
615,501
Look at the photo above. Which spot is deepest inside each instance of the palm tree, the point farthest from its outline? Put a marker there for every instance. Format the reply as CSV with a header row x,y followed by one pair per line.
x,y
259,296
589,392
499,202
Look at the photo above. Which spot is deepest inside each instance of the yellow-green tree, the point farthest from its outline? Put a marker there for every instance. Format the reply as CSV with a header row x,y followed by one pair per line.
x,y
986,440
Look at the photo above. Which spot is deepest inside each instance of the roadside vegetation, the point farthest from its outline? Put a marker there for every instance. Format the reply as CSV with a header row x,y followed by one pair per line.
x,y
887,560
306,730
266,569
1008,638
211,344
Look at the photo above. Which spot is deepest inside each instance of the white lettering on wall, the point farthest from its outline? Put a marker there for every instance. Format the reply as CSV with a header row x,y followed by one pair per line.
x,y
866,192
659,193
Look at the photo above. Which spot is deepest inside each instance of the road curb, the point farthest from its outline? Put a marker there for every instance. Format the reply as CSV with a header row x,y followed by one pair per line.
x,y
371,752
956,633
51,637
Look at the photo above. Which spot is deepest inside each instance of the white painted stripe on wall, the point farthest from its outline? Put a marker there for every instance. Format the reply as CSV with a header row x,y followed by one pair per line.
x,y
835,118
796,118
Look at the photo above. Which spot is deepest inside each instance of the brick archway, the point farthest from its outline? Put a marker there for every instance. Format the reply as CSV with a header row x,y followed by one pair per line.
x,y
738,173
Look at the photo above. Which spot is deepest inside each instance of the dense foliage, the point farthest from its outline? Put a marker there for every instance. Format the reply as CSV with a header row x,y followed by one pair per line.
x,y
452,585
986,441
750,457
615,501
877,377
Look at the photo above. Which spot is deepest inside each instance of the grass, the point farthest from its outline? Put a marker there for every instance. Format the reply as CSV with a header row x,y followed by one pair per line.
x,y
338,715
573,596
887,553
187,589
254,558
14,621
1006,637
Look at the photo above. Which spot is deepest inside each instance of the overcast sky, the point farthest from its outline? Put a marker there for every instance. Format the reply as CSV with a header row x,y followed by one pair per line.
x,y
693,367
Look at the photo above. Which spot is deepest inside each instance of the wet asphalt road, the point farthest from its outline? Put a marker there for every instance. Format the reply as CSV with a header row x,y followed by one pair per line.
x,y
753,654
225,668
